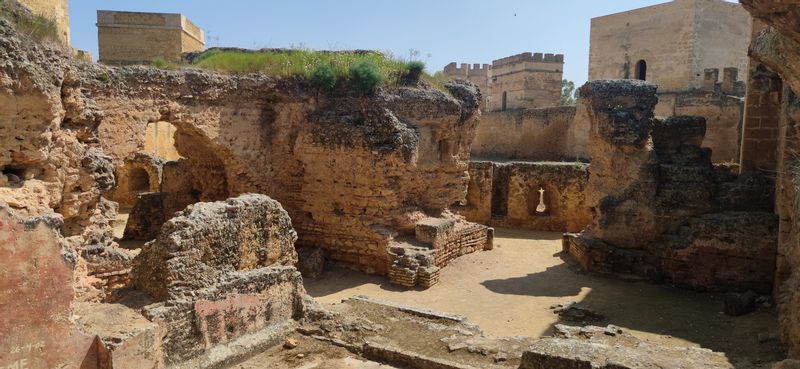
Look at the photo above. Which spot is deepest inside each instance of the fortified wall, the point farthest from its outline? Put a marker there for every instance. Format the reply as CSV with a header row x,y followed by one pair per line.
x,y
522,81
681,46
139,38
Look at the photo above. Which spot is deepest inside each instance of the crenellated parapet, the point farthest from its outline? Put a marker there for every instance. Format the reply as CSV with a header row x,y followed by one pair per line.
x,y
730,84
529,57
467,70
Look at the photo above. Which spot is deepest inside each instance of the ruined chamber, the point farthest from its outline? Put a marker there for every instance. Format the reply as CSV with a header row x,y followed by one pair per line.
x,y
362,176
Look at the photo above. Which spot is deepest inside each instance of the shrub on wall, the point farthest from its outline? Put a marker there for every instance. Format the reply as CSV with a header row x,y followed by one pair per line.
x,y
365,76
414,71
324,77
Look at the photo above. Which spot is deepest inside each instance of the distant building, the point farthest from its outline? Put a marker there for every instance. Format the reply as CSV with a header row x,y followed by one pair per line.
x,y
139,38
522,81
682,46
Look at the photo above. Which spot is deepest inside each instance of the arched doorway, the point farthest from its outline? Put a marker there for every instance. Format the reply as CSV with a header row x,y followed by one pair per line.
x,y
641,70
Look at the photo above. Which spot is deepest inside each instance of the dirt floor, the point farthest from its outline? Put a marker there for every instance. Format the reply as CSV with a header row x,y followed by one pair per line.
x,y
509,291
309,354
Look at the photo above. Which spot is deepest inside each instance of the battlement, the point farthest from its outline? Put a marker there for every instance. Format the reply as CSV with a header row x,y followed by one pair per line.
x,y
730,84
529,57
465,69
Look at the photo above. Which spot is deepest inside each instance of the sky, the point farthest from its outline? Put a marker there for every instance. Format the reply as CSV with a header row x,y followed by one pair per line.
x,y
443,31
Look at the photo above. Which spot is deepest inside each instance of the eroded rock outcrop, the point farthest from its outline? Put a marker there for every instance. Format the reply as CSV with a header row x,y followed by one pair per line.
x,y
202,245
50,159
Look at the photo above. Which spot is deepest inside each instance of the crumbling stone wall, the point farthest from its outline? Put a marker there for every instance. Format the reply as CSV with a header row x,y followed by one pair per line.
x,y
354,172
777,47
138,174
656,198
507,195
50,159
723,114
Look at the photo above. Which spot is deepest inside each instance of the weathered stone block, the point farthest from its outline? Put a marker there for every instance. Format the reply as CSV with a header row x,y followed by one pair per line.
x,y
207,241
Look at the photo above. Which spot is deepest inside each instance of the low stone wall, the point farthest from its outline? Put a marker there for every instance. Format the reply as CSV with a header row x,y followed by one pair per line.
x,y
531,134
437,241
507,195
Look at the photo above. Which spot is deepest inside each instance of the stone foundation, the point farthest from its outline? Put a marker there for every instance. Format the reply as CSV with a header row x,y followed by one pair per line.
x,y
438,241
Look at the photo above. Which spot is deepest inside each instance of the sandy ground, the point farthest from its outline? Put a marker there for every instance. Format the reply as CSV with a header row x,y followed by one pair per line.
x,y
508,292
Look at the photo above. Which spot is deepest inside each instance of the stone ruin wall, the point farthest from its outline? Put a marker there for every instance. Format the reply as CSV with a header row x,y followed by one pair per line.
x,y
776,50
357,174
386,174
721,102
507,195
661,210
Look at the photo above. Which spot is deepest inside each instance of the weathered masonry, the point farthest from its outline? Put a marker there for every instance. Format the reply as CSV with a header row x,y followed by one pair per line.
x,y
139,38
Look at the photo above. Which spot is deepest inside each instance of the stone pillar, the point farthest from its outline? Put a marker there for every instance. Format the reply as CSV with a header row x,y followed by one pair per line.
x,y
623,169
761,116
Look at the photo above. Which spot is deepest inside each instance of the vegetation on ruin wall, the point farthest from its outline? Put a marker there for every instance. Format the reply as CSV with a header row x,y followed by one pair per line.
x,y
33,26
363,69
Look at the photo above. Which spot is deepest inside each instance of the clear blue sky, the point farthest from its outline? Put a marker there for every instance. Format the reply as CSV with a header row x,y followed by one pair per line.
x,y
465,31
